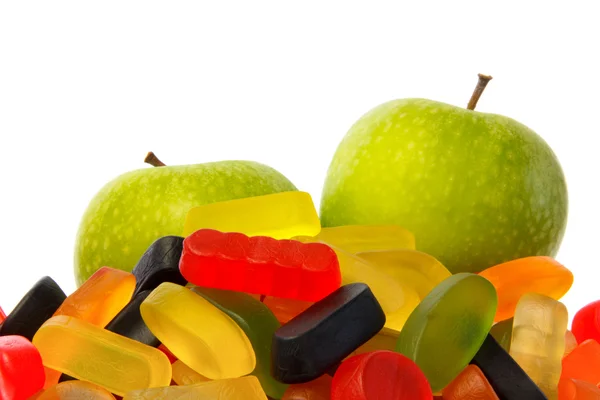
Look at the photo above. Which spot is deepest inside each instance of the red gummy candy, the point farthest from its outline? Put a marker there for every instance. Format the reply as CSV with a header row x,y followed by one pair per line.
x,y
583,363
168,353
2,315
586,324
380,375
260,264
21,369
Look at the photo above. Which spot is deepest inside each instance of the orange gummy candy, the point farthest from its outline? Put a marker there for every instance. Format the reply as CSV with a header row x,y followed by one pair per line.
x,y
285,309
573,389
319,389
570,342
583,362
539,274
100,298
470,384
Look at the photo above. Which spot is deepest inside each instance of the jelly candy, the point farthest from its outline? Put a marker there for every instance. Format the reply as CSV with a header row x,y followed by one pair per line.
x,y
282,268
184,375
21,369
2,316
583,362
323,335
380,375
538,274
280,216
507,378
198,333
570,342
100,298
40,302
538,340
319,389
76,390
447,328
418,270
246,388
129,322
285,309
586,322
502,332
259,324
160,263
385,339
168,353
93,354
358,238
470,384
573,389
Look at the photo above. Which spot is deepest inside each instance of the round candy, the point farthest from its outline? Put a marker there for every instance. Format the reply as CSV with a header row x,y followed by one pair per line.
x,y
21,369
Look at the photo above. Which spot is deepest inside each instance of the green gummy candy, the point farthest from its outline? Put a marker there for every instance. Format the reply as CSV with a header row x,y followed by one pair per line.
x,y
502,332
259,324
447,328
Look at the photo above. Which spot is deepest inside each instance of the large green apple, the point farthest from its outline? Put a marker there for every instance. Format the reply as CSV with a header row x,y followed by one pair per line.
x,y
476,189
140,206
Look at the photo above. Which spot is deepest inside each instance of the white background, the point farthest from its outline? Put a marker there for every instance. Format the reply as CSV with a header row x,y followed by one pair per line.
x,y
87,88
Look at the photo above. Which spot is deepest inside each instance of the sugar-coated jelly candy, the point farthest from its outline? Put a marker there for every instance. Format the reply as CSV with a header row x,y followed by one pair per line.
x,y
538,340
538,274
40,302
586,322
318,389
262,265
280,216
160,263
470,384
93,354
583,362
184,375
76,390
129,322
573,389
285,309
447,328
416,269
21,369
258,323
327,332
246,388
380,375
198,333
507,378
100,298
570,342
502,332
357,238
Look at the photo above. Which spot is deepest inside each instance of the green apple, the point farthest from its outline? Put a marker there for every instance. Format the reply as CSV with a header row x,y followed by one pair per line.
x,y
476,189
140,206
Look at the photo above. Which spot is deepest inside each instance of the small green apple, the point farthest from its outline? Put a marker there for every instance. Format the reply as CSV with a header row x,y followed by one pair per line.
x,y
476,189
138,207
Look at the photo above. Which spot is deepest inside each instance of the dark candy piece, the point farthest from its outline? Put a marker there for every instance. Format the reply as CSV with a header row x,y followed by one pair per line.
x,y
160,263
129,322
507,378
39,304
326,333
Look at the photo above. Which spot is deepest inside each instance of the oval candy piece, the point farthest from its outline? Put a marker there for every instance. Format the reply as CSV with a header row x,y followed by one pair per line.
x,y
21,369
76,390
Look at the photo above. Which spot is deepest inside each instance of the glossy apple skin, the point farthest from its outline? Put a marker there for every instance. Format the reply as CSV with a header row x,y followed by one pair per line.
x,y
476,189
138,207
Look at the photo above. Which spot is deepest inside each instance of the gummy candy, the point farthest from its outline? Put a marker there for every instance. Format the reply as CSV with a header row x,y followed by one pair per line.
x,y
447,328
358,238
502,332
285,309
129,322
327,332
570,342
93,354
470,384
198,333
262,265
21,370
280,216
318,389
586,322
573,389
184,375
583,362
380,375
2,316
76,390
385,339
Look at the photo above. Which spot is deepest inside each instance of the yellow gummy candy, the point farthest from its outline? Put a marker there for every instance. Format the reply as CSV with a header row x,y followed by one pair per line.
x,y
184,375
280,216
359,238
75,390
418,270
87,352
246,388
198,333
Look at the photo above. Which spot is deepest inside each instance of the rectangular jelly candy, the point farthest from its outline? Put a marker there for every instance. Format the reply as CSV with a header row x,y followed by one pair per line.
x,y
262,265
280,216
358,238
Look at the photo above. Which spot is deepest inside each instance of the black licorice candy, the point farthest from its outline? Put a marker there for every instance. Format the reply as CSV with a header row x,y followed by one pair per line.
x,y
35,308
324,334
507,378
129,323
160,263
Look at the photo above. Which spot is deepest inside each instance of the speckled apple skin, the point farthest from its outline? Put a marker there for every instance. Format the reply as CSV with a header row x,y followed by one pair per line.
x,y
138,207
476,189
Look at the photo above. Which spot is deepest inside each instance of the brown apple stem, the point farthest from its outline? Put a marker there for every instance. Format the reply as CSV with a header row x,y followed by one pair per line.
x,y
153,160
481,84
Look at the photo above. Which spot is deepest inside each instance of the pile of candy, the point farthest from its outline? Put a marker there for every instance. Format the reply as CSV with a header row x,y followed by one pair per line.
x,y
255,300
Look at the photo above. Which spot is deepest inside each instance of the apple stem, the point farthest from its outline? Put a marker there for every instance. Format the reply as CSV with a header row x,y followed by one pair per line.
x,y
153,160
481,84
